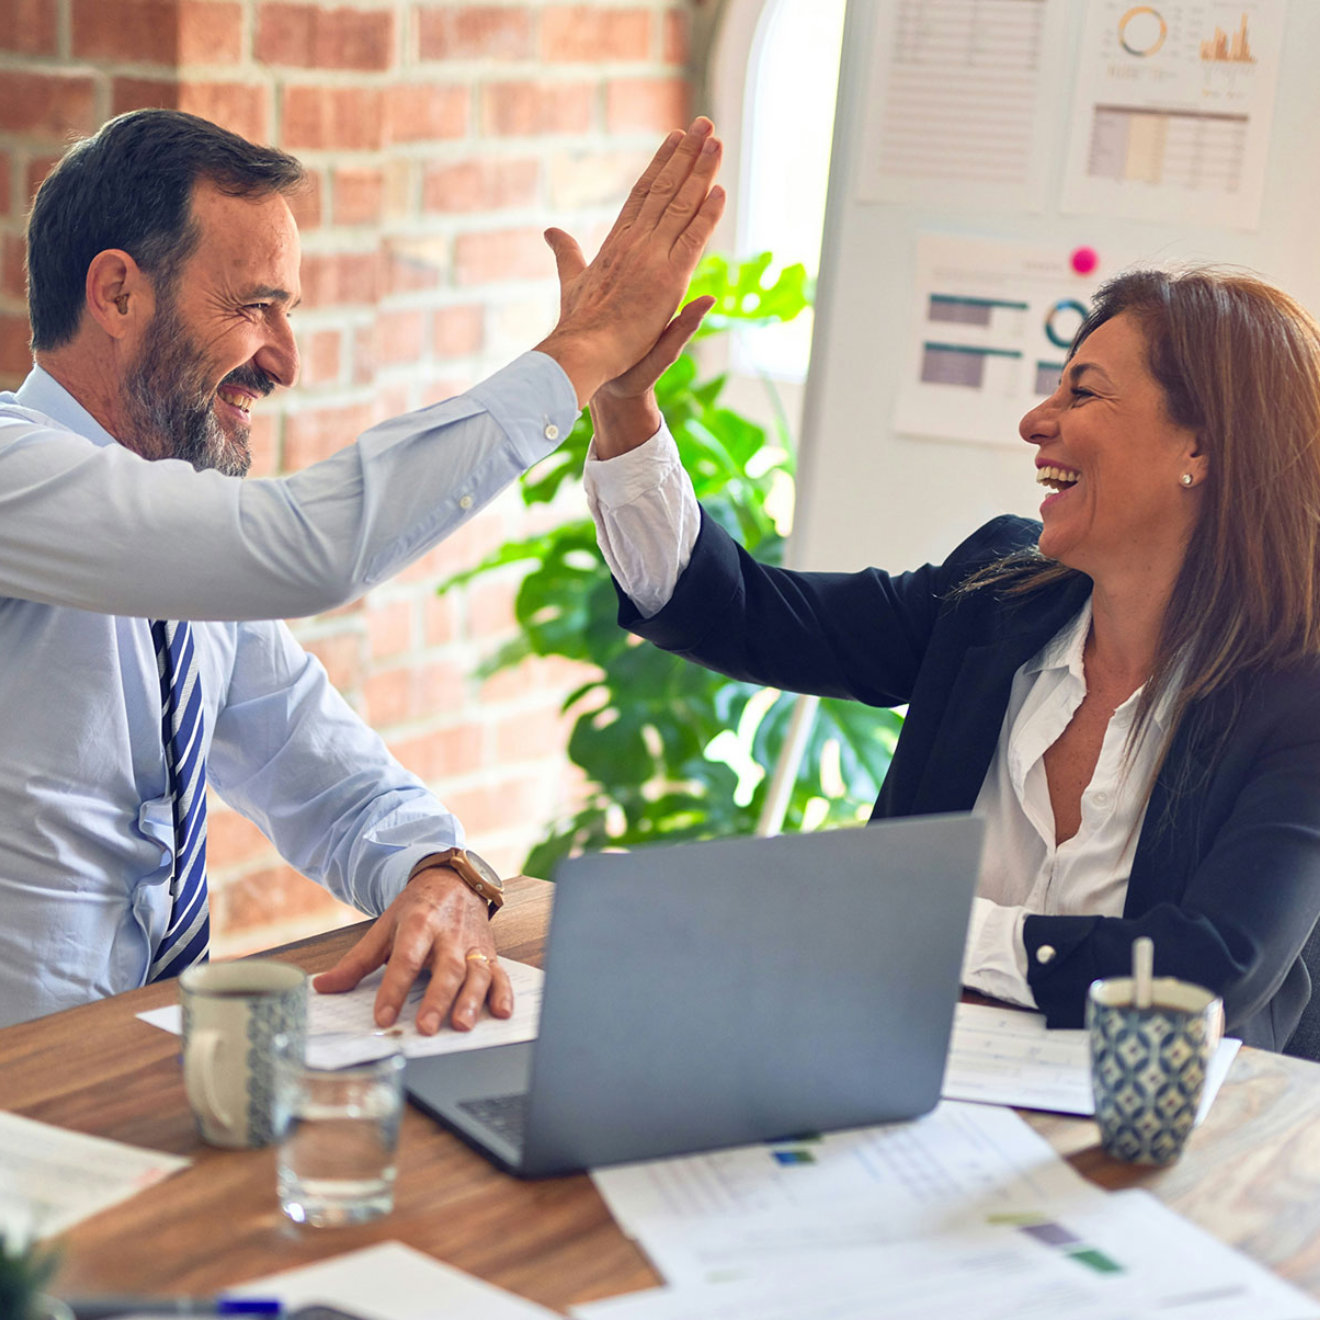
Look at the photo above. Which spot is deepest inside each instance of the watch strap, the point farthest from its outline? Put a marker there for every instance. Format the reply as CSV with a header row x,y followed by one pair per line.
x,y
460,861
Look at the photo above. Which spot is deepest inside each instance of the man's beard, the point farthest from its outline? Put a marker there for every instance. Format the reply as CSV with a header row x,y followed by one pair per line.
x,y
171,405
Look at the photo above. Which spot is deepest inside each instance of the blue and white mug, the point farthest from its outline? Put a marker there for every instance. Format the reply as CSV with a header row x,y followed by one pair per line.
x,y
1148,1065
232,1014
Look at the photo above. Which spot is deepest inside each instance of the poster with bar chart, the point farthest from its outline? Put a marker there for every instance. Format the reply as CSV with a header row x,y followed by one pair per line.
x,y
991,326
1172,110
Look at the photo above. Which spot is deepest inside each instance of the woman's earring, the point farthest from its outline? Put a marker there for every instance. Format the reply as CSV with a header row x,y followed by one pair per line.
x,y
1186,478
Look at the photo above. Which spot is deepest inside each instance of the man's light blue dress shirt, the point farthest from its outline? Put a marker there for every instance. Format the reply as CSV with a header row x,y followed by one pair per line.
x,y
85,820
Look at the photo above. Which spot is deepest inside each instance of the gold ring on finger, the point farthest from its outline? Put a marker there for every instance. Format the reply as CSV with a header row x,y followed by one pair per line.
x,y
479,957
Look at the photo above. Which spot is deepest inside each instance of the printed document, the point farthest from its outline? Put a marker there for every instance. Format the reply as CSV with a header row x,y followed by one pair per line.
x,y
390,1281
991,323
51,1178
1171,111
734,1212
1005,1056
341,1029
960,99
1118,1257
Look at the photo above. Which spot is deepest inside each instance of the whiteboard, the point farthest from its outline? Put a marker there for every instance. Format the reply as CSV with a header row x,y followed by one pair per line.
x,y
869,494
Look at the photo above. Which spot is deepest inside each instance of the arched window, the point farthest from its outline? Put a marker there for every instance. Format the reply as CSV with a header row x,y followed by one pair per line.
x,y
774,77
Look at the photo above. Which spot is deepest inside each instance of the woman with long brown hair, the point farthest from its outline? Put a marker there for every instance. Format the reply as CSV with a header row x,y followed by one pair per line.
x,y
1127,691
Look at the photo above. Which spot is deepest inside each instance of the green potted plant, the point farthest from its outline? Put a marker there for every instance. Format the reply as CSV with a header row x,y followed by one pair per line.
x,y
25,1269
672,751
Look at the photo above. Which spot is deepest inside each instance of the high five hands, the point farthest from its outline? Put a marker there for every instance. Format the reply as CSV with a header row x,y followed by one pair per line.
x,y
617,333
617,325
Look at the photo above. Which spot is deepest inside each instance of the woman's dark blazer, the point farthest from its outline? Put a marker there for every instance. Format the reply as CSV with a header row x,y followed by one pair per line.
x,y
1226,876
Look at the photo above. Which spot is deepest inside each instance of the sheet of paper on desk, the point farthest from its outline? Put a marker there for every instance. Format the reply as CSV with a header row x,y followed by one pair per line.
x,y
51,1178
730,1212
341,1029
390,1281
1005,1056
1119,1257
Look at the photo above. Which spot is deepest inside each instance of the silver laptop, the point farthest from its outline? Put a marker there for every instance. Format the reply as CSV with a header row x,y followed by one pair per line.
x,y
714,994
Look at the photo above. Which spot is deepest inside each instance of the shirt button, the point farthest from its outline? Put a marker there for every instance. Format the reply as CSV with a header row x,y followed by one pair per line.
x,y
465,502
551,431
1102,798
1045,954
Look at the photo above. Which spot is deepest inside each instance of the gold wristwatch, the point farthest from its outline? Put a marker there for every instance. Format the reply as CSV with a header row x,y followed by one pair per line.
x,y
475,872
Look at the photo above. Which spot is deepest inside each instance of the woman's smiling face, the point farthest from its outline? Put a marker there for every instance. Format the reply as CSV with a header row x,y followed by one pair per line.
x,y
1114,460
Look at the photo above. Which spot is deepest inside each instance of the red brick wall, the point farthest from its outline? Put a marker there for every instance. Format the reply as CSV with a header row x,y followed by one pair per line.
x,y
443,137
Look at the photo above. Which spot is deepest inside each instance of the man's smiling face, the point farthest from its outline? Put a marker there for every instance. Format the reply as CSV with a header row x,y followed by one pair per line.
x,y
220,338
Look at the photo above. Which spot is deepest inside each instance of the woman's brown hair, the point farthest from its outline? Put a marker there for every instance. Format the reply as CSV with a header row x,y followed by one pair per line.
x,y
1239,363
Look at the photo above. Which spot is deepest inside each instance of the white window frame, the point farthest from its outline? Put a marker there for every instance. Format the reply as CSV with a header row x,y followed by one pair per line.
x,y
737,52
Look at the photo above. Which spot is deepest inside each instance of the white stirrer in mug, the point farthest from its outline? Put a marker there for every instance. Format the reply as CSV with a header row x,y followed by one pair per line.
x,y
1143,966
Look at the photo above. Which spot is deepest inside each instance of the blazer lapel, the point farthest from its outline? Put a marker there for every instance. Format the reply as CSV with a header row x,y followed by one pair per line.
x,y
968,733
965,741
1167,850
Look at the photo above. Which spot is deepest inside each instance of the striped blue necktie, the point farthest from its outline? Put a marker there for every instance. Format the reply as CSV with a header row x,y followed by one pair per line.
x,y
189,932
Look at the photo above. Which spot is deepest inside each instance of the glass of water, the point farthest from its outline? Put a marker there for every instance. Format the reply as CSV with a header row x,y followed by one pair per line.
x,y
337,1131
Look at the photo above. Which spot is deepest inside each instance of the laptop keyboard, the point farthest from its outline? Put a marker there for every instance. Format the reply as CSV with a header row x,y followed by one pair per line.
x,y
505,1114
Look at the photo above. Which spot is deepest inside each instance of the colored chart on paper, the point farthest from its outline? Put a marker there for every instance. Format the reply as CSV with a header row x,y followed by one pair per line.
x,y
992,327
1058,1237
1172,109
1224,49
1142,30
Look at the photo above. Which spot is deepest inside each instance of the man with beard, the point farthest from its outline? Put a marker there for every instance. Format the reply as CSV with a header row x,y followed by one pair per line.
x,y
163,268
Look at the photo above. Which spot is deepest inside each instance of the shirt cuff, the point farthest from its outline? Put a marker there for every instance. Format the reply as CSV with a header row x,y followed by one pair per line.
x,y
647,519
400,867
628,477
533,401
995,956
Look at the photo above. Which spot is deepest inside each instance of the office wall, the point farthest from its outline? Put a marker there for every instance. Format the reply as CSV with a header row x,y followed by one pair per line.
x,y
442,138
870,492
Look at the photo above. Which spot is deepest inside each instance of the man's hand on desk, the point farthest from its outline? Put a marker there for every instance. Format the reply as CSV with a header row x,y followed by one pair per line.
x,y
434,924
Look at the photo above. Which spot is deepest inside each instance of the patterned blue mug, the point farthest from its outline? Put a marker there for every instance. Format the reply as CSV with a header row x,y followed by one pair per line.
x,y
232,1014
1148,1065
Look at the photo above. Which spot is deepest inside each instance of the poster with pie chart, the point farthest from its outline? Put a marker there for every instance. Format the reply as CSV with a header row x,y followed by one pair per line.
x,y
1172,108
993,321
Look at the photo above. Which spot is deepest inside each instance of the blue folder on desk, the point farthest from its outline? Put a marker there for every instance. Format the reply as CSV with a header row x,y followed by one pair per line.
x,y
713,994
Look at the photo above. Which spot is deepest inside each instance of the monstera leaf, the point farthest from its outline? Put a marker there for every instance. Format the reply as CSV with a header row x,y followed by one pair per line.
x,y
672,751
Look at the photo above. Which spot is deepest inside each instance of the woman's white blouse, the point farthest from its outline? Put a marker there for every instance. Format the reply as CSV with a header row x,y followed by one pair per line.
x,y
1022,869
647,521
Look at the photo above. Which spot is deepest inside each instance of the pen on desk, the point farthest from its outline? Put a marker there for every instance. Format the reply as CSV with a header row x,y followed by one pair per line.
x,y
102,1308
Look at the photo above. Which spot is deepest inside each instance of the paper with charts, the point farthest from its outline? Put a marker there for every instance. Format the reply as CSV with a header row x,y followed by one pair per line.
x,y
51,1178
1007,1056
731,1212
1118,1257
992,320
1172,109
341,1029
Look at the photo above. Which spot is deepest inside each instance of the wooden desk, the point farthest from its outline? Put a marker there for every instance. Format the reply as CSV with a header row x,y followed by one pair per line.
x,y
1251,1174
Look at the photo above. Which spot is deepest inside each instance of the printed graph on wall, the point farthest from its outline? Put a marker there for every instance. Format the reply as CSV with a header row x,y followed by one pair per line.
x,y
958,105
991,327
1172,110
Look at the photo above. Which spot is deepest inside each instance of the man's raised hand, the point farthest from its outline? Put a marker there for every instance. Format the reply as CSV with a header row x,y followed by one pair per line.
x,y
614,310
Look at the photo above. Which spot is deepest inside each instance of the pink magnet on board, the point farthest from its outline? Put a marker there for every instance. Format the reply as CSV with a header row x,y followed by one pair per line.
x,y
1084,260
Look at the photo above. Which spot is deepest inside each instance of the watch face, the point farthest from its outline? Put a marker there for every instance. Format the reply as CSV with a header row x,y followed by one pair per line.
x,y
487,872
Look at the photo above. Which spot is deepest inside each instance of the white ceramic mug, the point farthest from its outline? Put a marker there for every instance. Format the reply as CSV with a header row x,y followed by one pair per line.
x,y
232,1012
